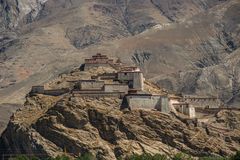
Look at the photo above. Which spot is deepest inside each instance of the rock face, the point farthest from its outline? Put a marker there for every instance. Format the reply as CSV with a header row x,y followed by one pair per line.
x,y
183,46
15,12
109,133
89,125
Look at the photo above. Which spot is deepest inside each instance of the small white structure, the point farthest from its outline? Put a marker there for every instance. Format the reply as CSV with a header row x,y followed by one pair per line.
x,y
185,109
133,76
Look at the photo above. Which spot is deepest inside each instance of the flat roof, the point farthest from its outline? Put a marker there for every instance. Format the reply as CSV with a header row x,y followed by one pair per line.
x,y
181,103
129,72
114,84
139,95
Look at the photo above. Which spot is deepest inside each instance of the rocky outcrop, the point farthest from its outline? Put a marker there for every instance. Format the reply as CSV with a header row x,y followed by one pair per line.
x,y
78,125
182,9
186,41
15,12
74,124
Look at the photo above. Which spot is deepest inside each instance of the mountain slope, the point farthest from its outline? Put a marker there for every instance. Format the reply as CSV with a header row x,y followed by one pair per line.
x,y
147,33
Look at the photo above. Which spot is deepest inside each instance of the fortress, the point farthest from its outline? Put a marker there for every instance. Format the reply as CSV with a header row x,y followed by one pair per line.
x,y
97,61
128,84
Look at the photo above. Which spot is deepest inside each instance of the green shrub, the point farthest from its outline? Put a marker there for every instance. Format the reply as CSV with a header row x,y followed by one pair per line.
x,y
20,157
213,158
23,157
181,156
147,157
86,156
236,156
63,157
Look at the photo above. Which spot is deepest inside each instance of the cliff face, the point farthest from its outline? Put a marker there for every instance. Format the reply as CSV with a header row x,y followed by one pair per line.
x,y
89,125
15,12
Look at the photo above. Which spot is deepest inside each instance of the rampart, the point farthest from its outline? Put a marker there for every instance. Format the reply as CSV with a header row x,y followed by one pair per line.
x,y
54,92
202,102
89,85
106,76
146,101
98,94
116,88
37,90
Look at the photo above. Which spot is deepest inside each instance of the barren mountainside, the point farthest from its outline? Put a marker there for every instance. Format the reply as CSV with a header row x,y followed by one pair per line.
x,y
185,46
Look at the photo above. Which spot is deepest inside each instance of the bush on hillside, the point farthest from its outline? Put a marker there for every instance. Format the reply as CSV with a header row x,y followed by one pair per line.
x,y
86,156
213,158
145,156
236,156
148,157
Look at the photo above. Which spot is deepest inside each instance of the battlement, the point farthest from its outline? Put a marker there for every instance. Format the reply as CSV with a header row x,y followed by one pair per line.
x,y
202,101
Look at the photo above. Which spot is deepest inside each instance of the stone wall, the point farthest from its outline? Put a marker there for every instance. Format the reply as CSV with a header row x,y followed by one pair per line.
x,y
138,81
106,76
203,102
125,76
89,66
54,92
116,88
90,85
135,79
146,102
37,90
189,111
119,95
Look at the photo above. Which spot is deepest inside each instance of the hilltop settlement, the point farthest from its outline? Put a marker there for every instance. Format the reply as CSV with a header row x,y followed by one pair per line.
x,y
128,83
109,109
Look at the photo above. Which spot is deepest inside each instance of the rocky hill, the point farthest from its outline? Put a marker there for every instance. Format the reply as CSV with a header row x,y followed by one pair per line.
x,y
184,46
54,125
179,44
